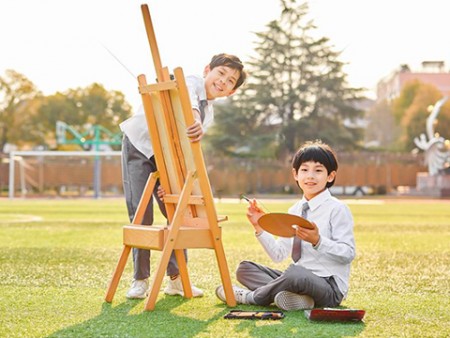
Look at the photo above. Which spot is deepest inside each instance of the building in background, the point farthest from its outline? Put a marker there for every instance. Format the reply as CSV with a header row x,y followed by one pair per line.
x,y
432,72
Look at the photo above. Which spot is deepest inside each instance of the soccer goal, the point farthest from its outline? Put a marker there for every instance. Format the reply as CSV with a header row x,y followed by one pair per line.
x,y
64,174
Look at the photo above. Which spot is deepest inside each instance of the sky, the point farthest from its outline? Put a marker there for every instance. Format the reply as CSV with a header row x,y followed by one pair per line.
x,y
64,44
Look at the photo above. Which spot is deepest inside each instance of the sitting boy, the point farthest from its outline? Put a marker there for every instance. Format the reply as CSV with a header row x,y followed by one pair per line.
x,y
320,272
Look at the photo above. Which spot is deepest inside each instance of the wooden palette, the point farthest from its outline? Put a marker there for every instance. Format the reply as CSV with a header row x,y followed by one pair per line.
x,y
280,224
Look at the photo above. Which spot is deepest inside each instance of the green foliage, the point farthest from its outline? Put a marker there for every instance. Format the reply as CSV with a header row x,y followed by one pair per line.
x,y
412,108
56,258
296,91
28,118
17,105
82,107
405,99
237,133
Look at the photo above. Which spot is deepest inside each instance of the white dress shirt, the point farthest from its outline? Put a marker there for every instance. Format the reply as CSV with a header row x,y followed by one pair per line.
x,y
136,128
336,248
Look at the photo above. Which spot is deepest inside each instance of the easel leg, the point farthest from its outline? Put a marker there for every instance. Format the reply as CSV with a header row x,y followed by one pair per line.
x,y
225,274
117,274
170,244
157,280
182,266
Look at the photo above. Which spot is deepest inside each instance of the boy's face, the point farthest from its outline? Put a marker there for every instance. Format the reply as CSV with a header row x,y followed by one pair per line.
x,y
312,177
220,81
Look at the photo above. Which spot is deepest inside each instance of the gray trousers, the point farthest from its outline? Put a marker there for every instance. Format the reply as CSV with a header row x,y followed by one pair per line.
x,y
136,168
266,283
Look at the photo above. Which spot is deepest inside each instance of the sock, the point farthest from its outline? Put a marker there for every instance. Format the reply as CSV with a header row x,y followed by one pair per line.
x,y
249,298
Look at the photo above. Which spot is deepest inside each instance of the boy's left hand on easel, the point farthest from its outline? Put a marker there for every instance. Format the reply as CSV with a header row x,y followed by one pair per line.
x,y
195,131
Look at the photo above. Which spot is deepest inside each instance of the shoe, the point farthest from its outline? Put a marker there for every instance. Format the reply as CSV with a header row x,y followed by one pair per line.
x,y
288,301
138,289
239,293
175,287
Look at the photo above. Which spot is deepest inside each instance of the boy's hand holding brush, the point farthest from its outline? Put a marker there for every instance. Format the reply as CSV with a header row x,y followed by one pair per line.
x,y
254,212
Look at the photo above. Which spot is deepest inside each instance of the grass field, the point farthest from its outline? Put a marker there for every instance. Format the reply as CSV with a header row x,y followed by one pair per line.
x,y
57,256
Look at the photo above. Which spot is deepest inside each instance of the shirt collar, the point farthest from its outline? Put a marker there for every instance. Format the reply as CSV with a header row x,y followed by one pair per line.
x,y
316,201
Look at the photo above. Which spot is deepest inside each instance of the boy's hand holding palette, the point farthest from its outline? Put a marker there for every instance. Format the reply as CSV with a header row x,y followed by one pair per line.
x,y
283,225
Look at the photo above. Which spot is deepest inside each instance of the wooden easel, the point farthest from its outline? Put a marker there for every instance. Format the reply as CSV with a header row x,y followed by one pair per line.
x,y
192,218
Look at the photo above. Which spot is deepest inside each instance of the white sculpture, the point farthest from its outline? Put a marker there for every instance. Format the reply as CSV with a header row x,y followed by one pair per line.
x,y
437,149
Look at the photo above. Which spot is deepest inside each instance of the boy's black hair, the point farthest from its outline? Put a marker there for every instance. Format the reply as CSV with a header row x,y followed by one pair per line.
x,y
316,151
231,61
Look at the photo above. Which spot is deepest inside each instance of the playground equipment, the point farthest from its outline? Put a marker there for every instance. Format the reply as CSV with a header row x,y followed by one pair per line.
x,y
93,138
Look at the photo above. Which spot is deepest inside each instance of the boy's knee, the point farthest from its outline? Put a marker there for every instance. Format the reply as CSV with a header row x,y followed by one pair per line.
x,y
295,274
243,268
291,273
244,265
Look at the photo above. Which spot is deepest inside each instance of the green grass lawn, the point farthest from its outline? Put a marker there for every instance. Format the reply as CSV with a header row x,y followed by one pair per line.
x,y
57,256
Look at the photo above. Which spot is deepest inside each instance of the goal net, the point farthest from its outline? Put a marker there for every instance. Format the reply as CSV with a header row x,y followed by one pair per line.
x,y
64,173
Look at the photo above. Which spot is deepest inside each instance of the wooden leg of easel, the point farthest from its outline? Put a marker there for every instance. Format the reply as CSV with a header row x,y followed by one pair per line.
x,y
225,274
117,274
158,278
159,275
170,243
182,266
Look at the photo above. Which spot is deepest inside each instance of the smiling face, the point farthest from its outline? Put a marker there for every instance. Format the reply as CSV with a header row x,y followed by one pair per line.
x,y
312,177
220,81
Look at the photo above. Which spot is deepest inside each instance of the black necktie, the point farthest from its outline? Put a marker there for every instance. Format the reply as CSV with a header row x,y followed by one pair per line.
x,y
297,245
202,105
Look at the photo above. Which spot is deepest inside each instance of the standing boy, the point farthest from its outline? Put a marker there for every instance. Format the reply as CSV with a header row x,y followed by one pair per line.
x,y
320,271
221,77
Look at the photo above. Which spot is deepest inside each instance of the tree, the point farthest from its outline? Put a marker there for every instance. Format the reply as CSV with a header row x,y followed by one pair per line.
x,y
412,108
17,104
237,133
297,89
81,108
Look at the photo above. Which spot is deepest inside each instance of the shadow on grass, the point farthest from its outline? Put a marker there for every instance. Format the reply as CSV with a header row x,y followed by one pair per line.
x,y
128,319
121,321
